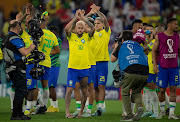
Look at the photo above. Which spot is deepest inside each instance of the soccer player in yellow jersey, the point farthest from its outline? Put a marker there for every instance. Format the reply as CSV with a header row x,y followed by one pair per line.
x,y
149,90
101,55
91,79
49,46
78,67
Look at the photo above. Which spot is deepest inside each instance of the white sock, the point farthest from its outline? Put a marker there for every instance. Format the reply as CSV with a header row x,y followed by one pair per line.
x,y
144,97
100,105
132,107
28,105
172,107
155,102
167,100
87,102
41,103
162,105
55,104
88,111
97,105
148,100
45,96
78,103
51,102
34,103
104,106
12,94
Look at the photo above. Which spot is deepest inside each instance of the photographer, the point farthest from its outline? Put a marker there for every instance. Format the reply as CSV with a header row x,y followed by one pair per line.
x,y
13,50
133,62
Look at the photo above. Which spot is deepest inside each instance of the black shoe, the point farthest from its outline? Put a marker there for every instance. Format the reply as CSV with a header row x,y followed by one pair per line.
x,y
167,111
24,117
99,111
15,118
42,110
127,118
138,114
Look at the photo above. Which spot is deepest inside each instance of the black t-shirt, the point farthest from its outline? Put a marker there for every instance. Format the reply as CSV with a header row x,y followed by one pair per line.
x,y
135,68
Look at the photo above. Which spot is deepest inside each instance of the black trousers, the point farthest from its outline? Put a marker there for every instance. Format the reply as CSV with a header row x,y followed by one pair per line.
x,y
19,81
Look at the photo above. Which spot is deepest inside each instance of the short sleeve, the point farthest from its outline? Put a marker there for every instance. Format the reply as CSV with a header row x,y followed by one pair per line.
x,y
68,37
109,31
18,43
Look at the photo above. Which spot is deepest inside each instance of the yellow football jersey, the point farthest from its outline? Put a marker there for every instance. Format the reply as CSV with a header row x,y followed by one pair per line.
x,y
101,51
1,54
78,51
47,42
27,40
150,45
92,46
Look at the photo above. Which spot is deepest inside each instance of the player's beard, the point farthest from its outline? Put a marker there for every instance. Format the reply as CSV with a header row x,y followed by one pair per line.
x,y
80,35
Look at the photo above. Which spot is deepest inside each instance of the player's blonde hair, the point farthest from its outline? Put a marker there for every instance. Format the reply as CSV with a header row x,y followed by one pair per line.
x,y
80,22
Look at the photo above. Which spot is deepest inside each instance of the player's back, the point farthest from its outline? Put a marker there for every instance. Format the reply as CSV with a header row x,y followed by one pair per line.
x,y
47,42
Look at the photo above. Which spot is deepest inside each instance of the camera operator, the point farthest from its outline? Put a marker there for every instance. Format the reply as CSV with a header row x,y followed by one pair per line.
x,y
133,62
13,50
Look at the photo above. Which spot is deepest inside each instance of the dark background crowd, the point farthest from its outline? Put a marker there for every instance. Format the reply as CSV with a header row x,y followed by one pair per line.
x,y
120,13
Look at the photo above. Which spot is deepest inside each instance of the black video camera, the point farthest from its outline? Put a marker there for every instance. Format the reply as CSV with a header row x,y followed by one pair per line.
x,y
118,39
118,76
36,32
36,72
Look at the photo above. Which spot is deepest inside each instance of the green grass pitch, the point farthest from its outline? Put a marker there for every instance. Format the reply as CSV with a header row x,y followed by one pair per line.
x,y
113,113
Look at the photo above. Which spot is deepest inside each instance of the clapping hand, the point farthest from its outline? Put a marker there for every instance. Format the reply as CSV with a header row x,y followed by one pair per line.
x,y
94,8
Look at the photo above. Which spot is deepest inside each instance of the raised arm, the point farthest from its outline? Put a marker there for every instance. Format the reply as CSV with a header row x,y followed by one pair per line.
x,y
154,49
101,15
71,25
91,31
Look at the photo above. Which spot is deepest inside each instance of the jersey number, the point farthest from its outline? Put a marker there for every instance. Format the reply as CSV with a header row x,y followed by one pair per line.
x,y
102,78
176,78
48,45
29,81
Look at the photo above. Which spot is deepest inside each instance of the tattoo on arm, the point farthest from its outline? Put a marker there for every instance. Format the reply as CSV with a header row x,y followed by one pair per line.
x,y
91,32
74,24
103,17
69,26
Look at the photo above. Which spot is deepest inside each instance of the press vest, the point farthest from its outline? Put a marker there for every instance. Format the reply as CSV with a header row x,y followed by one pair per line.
x,y
131,53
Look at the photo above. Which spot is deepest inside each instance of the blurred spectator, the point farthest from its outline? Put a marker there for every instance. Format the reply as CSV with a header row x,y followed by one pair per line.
x,y
155,19
132,15
177,16
107,6
52,6
14,12
145,18
120,13
163,19
151,7
55,21
2,18
5,27
139,4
